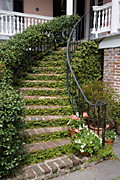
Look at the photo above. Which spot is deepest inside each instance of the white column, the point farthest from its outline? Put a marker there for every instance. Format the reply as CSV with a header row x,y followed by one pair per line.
x,y
115,16
69,10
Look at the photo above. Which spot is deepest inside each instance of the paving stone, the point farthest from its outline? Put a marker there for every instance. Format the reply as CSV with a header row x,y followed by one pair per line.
x,y
30,173
68,162
75,161
61,164
32,147
39,130
46,130
57,143
44,145
37,146
53,166
64,142
52,129
32,132
64,128
50,144
37,170
25,133
45,168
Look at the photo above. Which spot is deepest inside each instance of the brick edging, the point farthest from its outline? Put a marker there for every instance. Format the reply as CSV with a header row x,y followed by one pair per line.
x,y
53,167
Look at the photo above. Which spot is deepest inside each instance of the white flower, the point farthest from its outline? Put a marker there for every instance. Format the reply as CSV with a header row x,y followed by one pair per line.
x,y
78,141
100,140
69,122
91,155
80,128
82,146
77,114
88,133
81,150
90,142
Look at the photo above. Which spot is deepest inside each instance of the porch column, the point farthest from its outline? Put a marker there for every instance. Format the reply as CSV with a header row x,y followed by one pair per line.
x,y
69,10
87,25
115,16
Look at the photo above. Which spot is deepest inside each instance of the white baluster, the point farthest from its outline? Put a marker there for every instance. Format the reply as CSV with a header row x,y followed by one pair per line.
x,y
10,31
99,20
35,21
103,19
2,30
39,21
14,31
45,20
28,22
109,21
25,20
42,21
94,21
6,30
21,24
106,19
32,22
17,24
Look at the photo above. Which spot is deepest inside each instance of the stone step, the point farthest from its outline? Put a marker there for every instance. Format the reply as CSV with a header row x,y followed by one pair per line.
x,y
52,168
44,107
37,131
42,89
46,145
44,118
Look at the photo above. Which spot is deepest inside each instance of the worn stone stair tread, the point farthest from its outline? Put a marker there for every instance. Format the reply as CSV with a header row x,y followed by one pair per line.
x,y
44,118
45,130
44,89
40,67
44,106
46,145
44,97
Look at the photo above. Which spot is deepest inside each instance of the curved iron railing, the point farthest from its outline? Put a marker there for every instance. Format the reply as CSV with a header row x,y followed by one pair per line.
x,y
96,112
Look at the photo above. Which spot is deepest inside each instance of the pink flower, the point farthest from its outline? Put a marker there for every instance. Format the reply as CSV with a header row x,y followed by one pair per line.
x,y
76,130
85,115
107,126
79,119
74,117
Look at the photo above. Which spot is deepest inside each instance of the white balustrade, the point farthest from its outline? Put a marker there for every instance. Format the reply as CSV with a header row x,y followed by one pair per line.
x,y
14,22
102,19
106,18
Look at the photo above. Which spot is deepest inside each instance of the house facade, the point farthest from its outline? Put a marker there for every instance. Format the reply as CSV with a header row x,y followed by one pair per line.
x,y
102,23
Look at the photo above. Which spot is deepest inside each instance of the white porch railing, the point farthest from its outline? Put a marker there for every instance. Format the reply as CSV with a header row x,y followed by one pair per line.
x,y
106,18
14,22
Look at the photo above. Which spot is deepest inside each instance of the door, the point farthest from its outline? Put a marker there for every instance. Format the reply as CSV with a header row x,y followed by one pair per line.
x,y
81,11
18,6
59,8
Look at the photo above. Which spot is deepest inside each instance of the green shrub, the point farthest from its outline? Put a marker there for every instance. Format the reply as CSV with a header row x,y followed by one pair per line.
x,y
18,52
87,62
100,91
11,125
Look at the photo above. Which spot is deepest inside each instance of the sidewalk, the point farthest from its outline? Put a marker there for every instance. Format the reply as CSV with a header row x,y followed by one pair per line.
x,y
107,170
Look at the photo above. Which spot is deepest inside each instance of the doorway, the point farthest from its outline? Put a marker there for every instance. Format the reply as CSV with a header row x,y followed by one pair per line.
x,y
59,8
18,6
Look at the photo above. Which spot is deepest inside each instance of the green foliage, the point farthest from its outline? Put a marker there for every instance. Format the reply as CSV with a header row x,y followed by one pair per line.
x,y
68,110
47,137
55,101
86,141
75,123
39,156
18,52
106,151
47,123
100,91
11,125
86,62
110,134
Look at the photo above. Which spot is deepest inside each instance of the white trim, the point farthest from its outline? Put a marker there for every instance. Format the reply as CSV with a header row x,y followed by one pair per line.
x,y
25,15
69,10
97,8
110,42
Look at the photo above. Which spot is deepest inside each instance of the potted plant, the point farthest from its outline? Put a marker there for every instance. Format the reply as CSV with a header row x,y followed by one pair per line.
x,y
85,142
75,124
110,136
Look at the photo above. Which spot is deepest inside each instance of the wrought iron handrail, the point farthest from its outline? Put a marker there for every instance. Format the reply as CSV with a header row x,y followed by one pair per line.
x,y
73,88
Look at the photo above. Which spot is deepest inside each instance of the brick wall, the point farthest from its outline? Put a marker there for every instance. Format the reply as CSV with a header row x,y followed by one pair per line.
x,y
111,71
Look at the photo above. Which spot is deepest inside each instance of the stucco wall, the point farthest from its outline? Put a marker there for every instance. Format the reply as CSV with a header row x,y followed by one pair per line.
x,y
45,7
